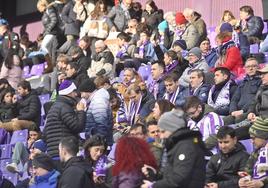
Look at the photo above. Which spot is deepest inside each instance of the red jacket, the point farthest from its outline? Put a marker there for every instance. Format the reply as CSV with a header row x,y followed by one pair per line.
x,y
232,60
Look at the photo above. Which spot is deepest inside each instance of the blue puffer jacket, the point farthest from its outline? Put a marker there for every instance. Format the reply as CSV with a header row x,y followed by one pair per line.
x,y
201,92
99,118
254,27
46,181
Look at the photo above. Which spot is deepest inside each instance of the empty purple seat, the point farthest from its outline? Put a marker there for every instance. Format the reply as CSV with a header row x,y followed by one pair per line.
x,y
145,72
248,145
6,151
13,178
19,136
254,48
26,72
4,136
37,70
43,99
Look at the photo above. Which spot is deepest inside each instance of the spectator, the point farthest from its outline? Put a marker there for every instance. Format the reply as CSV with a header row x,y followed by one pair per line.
x,y
99,118
75,74
95,152
29,109
207,123
102,61
8,107
186,31
196,61
170,18
22,153
152,16
132,30
10,40
198,87
229,55
62,119
175,93
251,25
163,36
179,46
220,94
131,154
76,172
174,64
244,93
160,107
227,17
80,59
185,164
84,44
138,130
223,168
119,16
208,53
12,69
258,106
157,86
45,175
253,176
194,18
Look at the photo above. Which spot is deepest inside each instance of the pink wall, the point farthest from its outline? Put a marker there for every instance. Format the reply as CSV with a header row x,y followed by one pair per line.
x,y
34,29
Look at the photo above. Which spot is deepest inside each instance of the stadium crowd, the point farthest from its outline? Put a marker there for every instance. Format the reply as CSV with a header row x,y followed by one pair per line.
x,y
160,108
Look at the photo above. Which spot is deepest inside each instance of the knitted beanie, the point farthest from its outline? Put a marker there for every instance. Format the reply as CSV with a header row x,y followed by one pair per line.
x,y
260,128
163,26
196,51
172,121
180,43
66,87
87,85
42,160
226,27
180,19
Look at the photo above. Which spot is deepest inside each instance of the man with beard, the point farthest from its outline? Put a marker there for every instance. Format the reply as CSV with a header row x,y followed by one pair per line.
x,y
208,124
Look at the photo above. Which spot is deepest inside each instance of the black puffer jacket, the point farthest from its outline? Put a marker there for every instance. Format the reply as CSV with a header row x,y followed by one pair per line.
x,y
62,121
186,165
76,174
29,108
7,112
254,27
50,21
223,168
78,77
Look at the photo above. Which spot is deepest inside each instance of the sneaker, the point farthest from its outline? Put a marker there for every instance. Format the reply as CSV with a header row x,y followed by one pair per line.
x,y
12,167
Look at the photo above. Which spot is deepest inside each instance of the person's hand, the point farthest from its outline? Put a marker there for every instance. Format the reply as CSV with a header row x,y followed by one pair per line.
x,y
14,99
113,29
237,113
211,185
139,43
80,106
242,174
14,119
146,184
251,117
145,171
61,78
97,179
30,141
254,184
243,182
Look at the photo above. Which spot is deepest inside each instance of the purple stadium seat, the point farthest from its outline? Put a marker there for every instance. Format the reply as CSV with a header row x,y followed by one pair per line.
x,y
37,70
4,163
248,145
145,72
4,136
6,151
43,99
121,76
19,136
254,48
13,178
26,72
265,28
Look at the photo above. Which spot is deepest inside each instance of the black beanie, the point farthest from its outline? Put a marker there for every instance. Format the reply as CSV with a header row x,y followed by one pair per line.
x,y
87,85
42,160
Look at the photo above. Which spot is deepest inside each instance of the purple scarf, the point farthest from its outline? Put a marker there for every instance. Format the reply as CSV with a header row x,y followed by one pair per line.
x,y
122,51
171,66
172,97
142,48
154,87
133,110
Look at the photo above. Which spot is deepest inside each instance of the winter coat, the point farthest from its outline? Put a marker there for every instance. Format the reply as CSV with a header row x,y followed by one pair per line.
x,y
185,77
157,88
223,168
191,36
78,77
200,26
201,92
4,183
178,69
178,97
29,108
46,181
128,180
259,105
153,19
117,17
72,26
254,27
244,93
13,75
211,57
99,118
102,63
230,57
76,173
7,112
244,45
62,121
50,21
10,40
185,161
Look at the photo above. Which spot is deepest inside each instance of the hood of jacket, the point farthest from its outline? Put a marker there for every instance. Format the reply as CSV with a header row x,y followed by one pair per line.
x,y
50,177
78,162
